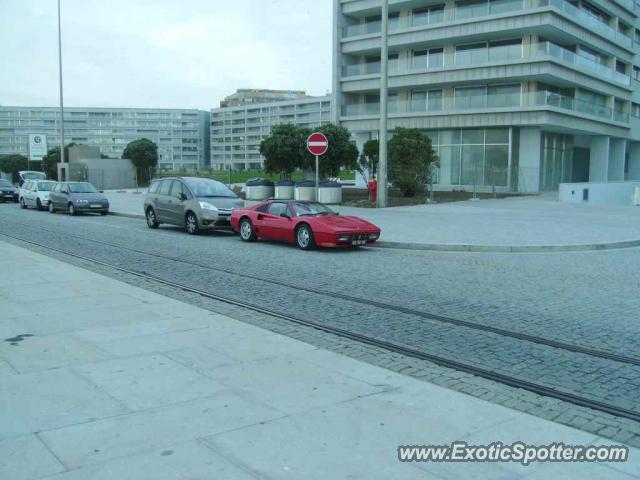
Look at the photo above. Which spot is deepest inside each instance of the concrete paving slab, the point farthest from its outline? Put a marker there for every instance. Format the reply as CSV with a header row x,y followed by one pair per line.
x,y
6,369
149,381
188,461
125,435
316,445
200,359
140,328
370,374
314,386
51,399
26,458
50,351
171,341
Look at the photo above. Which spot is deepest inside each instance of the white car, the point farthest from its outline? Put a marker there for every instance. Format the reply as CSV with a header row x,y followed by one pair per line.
x,y
35,193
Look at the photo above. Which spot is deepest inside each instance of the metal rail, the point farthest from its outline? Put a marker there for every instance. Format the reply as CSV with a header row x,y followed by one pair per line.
x,y
373,303
392,347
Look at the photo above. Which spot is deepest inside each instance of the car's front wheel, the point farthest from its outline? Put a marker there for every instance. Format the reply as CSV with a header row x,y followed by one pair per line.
x,y
52,209
247,233
72,209
23,204
191,223
304,237
38,204
152,220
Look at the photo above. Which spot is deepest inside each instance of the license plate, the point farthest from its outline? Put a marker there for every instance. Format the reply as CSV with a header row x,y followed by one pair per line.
x,y
358,242
8,195
96,205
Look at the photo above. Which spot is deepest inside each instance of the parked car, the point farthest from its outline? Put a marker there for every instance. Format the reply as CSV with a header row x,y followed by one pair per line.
x,y
77,197
190,202
35,193
307,224
24,175
8,192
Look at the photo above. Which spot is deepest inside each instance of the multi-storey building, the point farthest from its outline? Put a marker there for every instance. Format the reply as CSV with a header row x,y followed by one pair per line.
x,y
236,132
516,95
182,136
251,95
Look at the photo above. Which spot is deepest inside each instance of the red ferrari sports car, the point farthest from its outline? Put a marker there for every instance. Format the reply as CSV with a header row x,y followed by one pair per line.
x,y
308,224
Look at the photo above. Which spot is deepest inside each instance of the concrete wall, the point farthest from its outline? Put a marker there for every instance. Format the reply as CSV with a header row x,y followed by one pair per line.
x,y
611,193
530,159
105,174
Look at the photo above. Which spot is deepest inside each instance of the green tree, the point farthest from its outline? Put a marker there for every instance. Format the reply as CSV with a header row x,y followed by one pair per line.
x,y
342,151
143,153
410,154
368,162
284,149
13,164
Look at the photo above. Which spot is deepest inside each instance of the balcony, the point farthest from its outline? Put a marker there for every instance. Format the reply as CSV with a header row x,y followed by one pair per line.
x,y
462,14
490,102
491,56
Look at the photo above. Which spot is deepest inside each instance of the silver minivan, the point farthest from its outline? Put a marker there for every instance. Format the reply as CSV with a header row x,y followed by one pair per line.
x,y
190,202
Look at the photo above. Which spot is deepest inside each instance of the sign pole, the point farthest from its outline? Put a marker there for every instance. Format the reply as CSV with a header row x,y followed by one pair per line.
x,y
382,136
317,178
61,98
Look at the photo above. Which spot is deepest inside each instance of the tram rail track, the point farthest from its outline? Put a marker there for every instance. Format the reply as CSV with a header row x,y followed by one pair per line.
x,y
510,380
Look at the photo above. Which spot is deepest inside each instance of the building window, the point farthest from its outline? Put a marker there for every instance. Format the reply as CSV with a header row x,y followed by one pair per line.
x,y
503,95
505,50
470,97
470,54
427,16
424,59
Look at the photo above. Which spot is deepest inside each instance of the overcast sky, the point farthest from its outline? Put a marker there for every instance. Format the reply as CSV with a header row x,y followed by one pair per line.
x,y
161,53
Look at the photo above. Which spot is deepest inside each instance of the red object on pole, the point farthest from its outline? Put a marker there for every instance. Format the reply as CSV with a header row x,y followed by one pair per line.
x,y
317,144
373,190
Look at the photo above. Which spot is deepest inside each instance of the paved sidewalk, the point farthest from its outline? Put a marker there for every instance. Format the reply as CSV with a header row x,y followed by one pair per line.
x,y
101,380
537,223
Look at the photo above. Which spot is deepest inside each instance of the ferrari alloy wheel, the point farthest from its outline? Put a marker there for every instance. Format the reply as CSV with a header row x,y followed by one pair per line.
x,y
246,230
191,224
304,237
152,221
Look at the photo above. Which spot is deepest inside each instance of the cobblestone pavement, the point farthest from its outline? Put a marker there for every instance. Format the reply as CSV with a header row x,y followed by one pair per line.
x,y
586,298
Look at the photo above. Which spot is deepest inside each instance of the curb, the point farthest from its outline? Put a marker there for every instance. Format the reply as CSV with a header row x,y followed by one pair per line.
x,y
437,247
444,247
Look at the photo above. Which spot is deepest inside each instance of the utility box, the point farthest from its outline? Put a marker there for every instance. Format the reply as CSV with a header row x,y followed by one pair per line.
x,y
305,190
285,190
330,193
259,189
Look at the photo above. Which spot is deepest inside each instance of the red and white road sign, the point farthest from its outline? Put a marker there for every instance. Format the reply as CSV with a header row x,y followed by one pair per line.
x,y
317,144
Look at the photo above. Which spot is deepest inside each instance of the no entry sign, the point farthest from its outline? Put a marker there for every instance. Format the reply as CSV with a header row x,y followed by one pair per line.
x,y
317,144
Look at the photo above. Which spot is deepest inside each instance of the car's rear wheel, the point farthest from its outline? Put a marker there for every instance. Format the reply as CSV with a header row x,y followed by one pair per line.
x,y
304,237
38,204
52,209
191,223
152,220
247,233
23,204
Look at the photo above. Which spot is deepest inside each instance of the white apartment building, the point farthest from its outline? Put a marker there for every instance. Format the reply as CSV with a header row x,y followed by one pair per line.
x,y
516,95
236,132
182,136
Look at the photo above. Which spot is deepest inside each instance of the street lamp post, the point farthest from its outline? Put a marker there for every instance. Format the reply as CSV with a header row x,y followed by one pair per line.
x,y
61,97
382,136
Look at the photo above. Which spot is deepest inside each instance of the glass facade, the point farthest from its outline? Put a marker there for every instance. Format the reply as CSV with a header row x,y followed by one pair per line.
x,y
475,156
557,160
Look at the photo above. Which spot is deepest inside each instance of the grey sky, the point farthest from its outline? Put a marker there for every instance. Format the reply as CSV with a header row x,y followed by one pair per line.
x,y
162,53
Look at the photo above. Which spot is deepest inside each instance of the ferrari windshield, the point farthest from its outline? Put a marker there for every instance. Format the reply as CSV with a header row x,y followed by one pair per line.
x,y
303,209
82,187
208,188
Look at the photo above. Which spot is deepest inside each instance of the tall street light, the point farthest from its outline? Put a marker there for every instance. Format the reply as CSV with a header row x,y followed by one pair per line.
x,y
61,98
382,136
